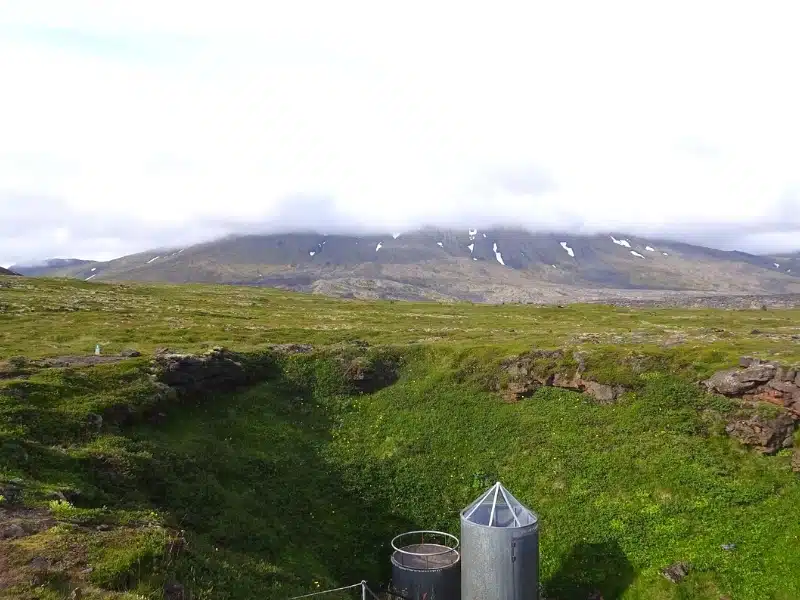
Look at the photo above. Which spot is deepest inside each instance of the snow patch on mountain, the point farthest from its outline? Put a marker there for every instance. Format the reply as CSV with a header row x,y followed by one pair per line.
x,y
498,255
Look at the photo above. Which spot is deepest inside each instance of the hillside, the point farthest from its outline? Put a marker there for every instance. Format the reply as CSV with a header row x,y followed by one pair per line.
x,y
286,463
496,265
53,265
4,271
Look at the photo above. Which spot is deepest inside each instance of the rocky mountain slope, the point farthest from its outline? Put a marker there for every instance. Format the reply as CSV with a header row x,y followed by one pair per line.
x,y
7,272
493,265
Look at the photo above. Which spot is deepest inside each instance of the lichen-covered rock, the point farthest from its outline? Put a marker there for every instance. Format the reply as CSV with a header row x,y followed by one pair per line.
x,y
764,434
735,382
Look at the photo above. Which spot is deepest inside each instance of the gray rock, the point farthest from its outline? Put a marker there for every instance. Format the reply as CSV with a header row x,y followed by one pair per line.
x,y
95,420
765,435
130,353
735,382
676,572
783,386
601,392
728,547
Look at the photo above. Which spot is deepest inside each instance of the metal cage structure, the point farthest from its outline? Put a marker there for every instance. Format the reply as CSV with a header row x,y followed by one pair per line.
x,y
499,548
426,565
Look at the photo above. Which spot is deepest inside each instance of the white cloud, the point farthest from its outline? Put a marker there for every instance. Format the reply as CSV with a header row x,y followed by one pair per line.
x,y
613,115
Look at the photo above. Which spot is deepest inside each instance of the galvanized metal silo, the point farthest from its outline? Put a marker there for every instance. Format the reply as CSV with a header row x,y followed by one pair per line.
x,y
426,565
499,548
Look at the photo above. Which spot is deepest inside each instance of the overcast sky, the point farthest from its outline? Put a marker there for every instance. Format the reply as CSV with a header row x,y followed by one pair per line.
x,y
126,125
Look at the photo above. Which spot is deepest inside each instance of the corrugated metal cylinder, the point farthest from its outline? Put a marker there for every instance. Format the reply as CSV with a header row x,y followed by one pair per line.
x,y
499,549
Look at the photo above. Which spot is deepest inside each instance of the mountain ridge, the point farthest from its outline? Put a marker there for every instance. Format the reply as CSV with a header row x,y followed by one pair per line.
x,y
492,265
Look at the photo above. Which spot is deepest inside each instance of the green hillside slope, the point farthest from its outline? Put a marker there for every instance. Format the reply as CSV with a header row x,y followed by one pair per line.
x,y
118,485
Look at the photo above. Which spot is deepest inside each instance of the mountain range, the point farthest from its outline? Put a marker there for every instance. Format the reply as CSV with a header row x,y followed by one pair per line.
x,y
492,265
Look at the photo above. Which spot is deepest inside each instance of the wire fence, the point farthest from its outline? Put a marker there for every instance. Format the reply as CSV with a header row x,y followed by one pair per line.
x,y
348,592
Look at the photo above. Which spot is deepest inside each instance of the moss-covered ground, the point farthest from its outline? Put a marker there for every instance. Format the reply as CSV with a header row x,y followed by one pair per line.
x,y
297,483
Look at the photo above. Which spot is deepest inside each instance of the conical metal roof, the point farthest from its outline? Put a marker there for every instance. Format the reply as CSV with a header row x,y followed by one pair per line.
x,y
497,507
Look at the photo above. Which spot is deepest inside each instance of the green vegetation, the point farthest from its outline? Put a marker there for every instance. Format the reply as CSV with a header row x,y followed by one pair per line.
x,y
298,482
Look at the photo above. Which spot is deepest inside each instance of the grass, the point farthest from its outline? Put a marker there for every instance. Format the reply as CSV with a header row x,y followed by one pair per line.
x,y
298,483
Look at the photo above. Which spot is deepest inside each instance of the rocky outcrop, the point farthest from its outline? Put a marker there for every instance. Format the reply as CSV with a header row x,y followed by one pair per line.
x,y
544,368
216,370
760,381
368,376
756,381
767,435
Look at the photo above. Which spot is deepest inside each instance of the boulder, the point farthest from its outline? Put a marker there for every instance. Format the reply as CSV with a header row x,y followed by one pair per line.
x,y
736,382
130,353
765,435
796,460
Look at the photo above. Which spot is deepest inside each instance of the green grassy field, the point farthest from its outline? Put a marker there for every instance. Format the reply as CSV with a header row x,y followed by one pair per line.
x,y
297,484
